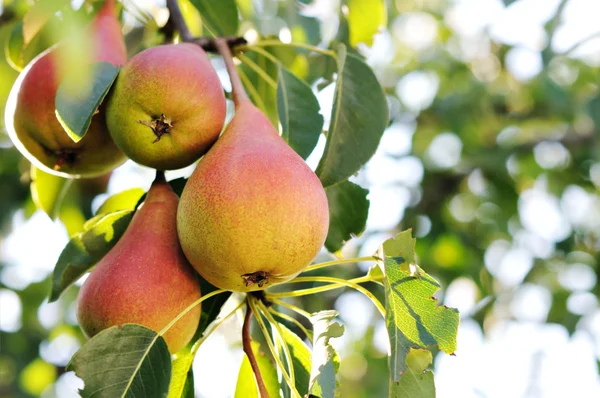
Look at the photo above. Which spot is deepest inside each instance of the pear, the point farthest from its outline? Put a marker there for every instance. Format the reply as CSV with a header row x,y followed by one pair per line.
x,y
144,278
253,214
30,113
167,107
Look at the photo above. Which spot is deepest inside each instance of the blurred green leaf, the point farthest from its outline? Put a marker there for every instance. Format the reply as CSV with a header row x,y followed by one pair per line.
x,y
365,19
48,191
220,17
298,111
413,318
182,376
75,107
246,382
348,211
38,15
126,200
359,117
325,360
87,248
417,381
123,361
13,48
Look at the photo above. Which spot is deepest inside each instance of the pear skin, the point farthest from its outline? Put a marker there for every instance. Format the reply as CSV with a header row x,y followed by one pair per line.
x,y
30,113
145,278
253,213
167,107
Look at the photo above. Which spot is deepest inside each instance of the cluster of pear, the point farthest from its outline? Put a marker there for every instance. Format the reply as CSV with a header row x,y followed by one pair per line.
x,y
252,214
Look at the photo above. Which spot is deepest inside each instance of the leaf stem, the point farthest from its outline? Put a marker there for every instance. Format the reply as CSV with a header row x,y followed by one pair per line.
x,y
247,344
265,332
252,90
259,71
293,320
335,283
277,43
292,307
262,52
237,88
188,309
279,333
341,261
214,327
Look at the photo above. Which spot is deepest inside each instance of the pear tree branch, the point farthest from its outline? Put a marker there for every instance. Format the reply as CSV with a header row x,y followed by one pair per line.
x,y
207,43
247,345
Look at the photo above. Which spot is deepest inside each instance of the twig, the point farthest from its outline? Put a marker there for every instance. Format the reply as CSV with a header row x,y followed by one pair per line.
x,y
208,44
247,344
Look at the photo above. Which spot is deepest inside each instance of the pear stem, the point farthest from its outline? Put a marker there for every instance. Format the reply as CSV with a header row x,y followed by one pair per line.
x,y
247,344
160,177
237,88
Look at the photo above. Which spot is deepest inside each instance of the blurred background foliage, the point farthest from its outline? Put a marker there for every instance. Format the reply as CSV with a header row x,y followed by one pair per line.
x,y
491,157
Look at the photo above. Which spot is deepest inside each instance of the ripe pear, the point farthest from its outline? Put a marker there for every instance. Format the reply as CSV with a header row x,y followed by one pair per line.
x,y
145,278
30,113
253,213
167,107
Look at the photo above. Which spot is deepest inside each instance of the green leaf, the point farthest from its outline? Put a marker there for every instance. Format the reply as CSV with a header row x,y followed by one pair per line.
x,y
417,381
219,17
210,308
348,211
87,248
365,19
13,47
413,318
126,200
123,361
246,383
183,376
38,15
358,118
301,360
48,191
325,361
75,110
298,110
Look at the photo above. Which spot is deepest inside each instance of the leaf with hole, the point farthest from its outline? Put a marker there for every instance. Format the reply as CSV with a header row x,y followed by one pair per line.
x,y
325,360
413,318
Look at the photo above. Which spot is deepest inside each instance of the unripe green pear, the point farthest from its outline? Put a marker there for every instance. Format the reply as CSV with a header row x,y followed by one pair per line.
x,y
145,278
167,107
30,112
253,213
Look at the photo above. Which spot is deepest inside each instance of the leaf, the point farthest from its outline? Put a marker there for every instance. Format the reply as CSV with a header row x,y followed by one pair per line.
x,y
38,15
301,360
183,376
210,308
123,361
75,110
126,200
417,381
48,191
87,248
413,318
358,118
246,383
298,111
365,19
325,361
13,47
220,17
348,212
